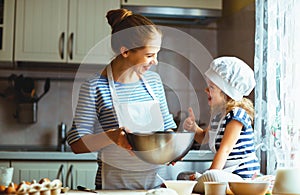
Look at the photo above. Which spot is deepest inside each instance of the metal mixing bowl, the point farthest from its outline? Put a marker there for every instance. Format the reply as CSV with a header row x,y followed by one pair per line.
x,y
161,147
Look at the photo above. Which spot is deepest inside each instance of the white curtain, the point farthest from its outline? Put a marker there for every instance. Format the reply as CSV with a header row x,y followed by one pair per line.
x,y
277,100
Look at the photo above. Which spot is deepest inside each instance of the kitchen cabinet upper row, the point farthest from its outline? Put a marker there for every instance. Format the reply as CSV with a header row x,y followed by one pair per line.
x,y
7,8
61,30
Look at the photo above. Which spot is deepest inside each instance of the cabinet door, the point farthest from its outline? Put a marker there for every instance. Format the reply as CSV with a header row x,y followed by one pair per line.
x,y
7,10
4,163
87,27
35,170
82,173
41,30
61,30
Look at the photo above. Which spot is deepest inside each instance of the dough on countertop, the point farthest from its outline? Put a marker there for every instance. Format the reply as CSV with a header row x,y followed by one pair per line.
x,y
161,191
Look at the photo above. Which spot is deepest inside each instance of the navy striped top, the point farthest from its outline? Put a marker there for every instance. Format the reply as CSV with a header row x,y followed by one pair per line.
x,y
244,148
95,109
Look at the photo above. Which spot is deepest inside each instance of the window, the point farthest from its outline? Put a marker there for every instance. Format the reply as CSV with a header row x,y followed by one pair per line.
x,y
277,71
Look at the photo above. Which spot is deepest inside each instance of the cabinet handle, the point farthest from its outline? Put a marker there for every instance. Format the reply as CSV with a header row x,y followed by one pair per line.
x,y
61,45
70,45
70,175
60,174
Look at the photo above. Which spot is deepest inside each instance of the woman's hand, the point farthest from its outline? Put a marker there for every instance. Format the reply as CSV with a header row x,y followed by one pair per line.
x,y
118,136
189,123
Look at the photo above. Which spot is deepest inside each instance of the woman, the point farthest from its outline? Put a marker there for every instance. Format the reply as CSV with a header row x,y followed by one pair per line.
x,y
125,94
230,134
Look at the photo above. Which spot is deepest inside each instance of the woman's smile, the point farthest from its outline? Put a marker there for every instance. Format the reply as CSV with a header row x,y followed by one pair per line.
x,y
147,67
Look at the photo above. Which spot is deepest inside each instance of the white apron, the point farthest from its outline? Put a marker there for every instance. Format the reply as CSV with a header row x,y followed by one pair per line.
x,y
117,162
212,135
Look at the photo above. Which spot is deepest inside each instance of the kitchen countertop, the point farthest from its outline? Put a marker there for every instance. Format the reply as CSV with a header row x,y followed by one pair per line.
x,y
46,155
193,155
199,155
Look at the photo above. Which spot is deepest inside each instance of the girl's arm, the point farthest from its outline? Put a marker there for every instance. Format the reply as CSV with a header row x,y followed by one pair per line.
x,y
231,135
200,135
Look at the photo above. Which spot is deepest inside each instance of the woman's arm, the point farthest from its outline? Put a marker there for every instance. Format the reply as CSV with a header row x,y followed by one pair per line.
x,y
89,143
87,133
94,142
231,135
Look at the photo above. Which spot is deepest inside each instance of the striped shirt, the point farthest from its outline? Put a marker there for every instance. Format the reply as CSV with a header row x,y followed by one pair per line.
x,y
244,148
95,112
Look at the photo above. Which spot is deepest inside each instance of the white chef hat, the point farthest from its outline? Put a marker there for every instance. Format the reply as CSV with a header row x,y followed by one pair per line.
x,y
232,75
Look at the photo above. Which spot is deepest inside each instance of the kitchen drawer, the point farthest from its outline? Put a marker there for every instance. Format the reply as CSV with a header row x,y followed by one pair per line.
x,y
4,163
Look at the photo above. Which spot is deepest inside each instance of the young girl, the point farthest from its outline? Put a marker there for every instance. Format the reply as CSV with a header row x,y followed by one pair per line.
x,y
230,134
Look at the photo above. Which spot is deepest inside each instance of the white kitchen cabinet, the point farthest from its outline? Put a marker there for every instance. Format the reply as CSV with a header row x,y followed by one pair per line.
x,y
71,173
61,30
81,173
7,10
4,163
35,170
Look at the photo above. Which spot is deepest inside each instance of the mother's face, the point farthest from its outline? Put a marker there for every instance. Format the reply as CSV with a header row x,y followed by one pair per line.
x,y
142,59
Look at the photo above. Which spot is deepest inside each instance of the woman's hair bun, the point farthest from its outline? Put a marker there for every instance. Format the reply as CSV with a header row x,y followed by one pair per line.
x,y
114,17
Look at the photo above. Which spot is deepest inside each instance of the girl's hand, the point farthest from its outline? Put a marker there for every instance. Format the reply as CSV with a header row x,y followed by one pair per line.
x,y
189,123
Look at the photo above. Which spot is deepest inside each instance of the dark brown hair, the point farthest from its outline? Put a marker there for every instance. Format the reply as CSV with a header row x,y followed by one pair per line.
x,y
122,22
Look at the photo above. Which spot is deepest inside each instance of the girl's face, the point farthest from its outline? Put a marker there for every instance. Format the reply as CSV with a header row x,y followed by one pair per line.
x,y
143,59
215,95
